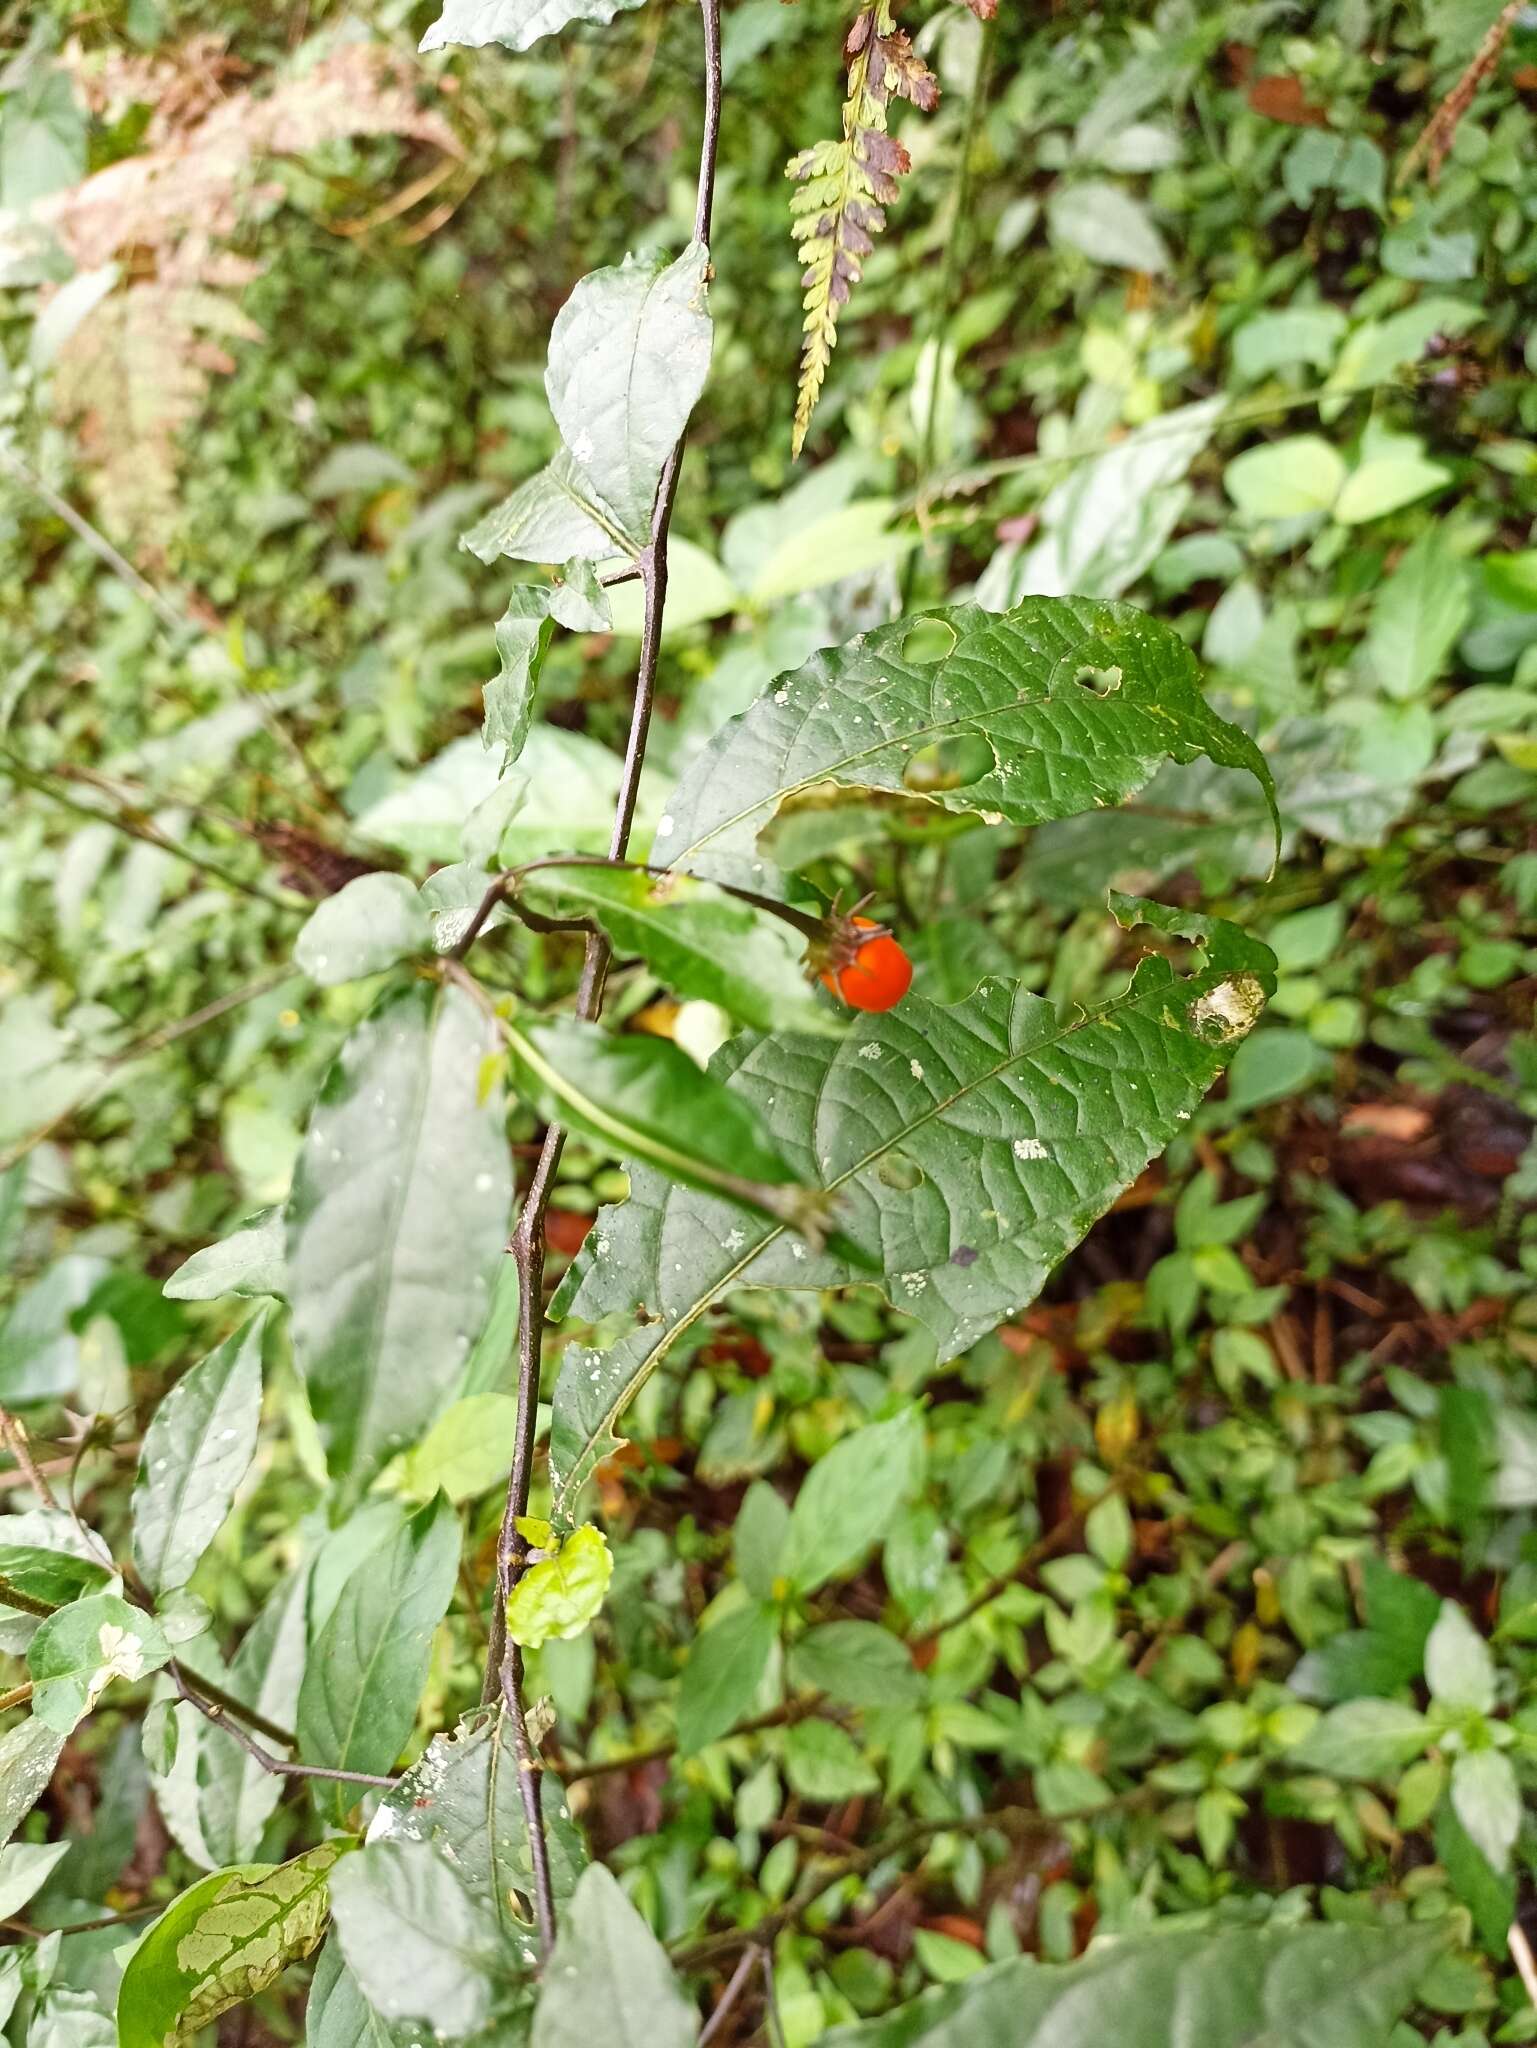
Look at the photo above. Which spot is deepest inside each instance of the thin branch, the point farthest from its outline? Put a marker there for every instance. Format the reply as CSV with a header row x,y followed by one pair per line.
x,y
221,1711
1436,137
504,1666
96,541
728,1998
19,1445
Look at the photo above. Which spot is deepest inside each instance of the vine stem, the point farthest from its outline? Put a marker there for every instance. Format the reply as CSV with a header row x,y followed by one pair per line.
x,y
504,1663
949,276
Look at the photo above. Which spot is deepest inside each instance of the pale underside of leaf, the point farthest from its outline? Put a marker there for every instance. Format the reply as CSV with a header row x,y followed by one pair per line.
x,y
515,24
970,1148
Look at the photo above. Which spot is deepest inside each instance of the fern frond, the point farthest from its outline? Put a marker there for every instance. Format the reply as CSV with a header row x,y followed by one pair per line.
x,y
846,186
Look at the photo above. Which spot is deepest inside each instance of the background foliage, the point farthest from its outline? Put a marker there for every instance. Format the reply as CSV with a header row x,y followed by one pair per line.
x,y
1197,1599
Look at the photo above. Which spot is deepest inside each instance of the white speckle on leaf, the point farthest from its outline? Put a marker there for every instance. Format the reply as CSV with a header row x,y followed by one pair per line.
x,y
1029,1148
914,1283
870,1050
1228,1010
664,826
915,1068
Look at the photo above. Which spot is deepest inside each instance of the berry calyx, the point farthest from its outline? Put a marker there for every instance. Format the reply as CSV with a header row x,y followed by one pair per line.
x,y
868,973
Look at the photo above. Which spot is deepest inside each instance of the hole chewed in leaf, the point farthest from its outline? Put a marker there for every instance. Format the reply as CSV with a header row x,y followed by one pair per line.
x,y
949,764
929,640
1099,682
1229,1010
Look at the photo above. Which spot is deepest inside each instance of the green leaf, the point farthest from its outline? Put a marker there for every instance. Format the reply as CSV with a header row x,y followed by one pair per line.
x,y
609,1979
463,1797
823,1763
560,1596
629,354
1070,705
1489,1897
848,1500
515,24
249,1261
197,1450
726,1664
1386,482
1107,224
858,1662
24,1869
1304,1987
700,941
1363,1739
1458,1666
1487,1800
648,1100
418,1945
396,1225
1286,479
336,2014
1417,617
220,1943
364,928
236,1796
1048,1111
56,1576
522,640
77,1653
28,1753
467,1450
759,1538
366,1671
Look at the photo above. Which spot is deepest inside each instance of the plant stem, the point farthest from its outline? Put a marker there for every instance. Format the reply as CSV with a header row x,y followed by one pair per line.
x,y
504,1665
949,276
221,1710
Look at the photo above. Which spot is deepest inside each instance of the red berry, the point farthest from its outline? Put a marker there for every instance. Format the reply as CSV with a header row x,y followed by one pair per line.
x,y
877,977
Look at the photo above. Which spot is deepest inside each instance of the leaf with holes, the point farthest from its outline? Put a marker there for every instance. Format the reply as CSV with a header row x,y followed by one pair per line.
x,y
463,1798
969,1147
220,1944
1059,706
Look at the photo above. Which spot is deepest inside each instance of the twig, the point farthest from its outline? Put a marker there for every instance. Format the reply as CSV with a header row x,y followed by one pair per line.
x,y
129,1913
1521,1955
1435,138
729,1997
504,1666
1003,1820
16,1697
220,1709
20,1448
96,541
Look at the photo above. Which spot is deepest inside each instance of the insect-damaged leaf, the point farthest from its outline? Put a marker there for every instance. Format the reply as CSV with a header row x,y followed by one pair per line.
x,y
515,24
1065,706
221,1943
970,1147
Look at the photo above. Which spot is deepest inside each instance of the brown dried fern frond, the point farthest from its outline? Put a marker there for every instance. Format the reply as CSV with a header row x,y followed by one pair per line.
x,y
134,374
845,187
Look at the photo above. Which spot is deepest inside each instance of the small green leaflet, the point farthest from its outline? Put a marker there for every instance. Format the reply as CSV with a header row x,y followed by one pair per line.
x,y
1025,1119
396,1225
463,1797
1234,1987
522,640
249,1261
57,1576
363,929
221,1943
364,1677
697,939
629,354
77,1653
196,1451
1075,704
515,24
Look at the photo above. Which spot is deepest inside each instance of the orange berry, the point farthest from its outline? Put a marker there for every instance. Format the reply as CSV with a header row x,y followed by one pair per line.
x,y
877,977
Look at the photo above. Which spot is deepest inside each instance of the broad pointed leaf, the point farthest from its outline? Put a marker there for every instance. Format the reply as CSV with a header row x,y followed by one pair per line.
x,y
1071,705
196,1451
248,1261
700,941
515,24
419,1946
1238,1987
970,1148
609,1979
220,1943
366,1671
629,354
396,1225
363,929
463,1798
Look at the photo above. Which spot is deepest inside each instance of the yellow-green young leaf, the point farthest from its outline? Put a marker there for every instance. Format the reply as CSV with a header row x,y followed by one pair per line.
x,y
221,1943
560,1595
466,1451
